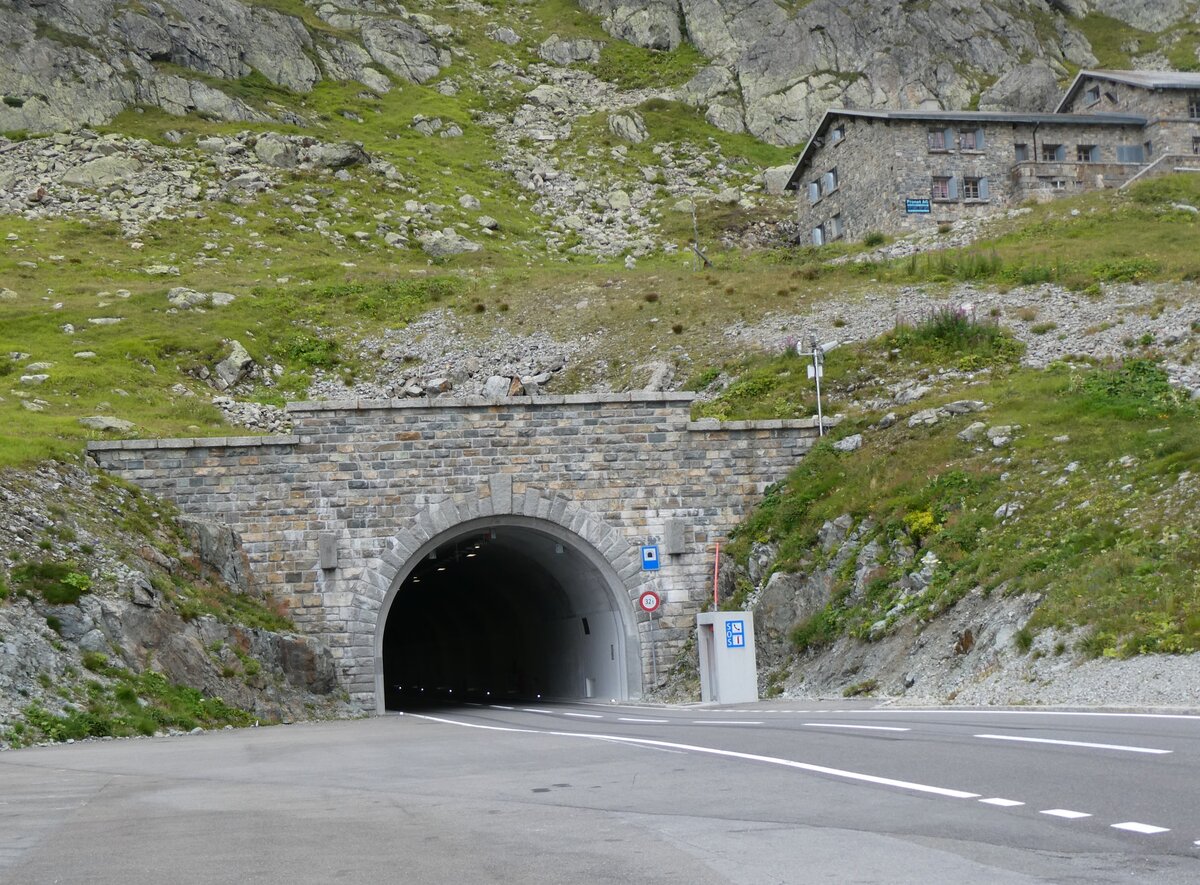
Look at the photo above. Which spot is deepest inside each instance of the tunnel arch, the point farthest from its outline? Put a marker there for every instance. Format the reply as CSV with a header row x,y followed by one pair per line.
x,y
575,595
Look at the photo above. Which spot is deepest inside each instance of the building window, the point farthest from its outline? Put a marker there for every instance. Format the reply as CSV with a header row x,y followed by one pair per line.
x,y
1053,153
1194,105
818,235
1149,146
1087,153
1111,97
1092,96
1022,152
829,182
1196,144
837,133
814,192
975,189
1131,153
835,227
970,140
938,140
944,188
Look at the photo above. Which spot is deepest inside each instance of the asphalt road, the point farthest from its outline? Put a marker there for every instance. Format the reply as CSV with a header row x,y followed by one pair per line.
x,y
770,792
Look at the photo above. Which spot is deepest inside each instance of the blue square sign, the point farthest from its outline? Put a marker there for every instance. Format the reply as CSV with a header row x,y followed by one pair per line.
x,y
735,634
650,558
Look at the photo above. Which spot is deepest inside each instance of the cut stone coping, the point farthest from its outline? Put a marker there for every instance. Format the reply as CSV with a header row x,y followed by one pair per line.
x,y
475,402
197,442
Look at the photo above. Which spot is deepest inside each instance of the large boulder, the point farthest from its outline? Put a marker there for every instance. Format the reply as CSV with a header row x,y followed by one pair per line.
x,y
653,24
103,172
444,243
402,48
277,150
562,52
234,367
628,126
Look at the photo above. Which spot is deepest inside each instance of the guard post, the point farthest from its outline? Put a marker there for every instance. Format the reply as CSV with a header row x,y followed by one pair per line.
x,y
728,665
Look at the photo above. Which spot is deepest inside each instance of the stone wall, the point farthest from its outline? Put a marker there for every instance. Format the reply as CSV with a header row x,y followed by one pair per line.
x,y
1171,128
881,163
383,478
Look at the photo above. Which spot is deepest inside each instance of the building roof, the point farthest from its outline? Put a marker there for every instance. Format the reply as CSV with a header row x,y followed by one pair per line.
x,y
818,140
1141,79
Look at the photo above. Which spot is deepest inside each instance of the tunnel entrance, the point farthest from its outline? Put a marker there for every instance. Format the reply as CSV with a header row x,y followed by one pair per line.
x,y
507,608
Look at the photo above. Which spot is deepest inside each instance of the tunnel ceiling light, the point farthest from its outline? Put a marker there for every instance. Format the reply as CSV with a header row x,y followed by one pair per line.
x,y
441,568
416,580
471,555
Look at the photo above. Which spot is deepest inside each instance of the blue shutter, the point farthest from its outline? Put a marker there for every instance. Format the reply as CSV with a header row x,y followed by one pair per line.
x,y
1061,154
979,139
951,142
953,189
983,189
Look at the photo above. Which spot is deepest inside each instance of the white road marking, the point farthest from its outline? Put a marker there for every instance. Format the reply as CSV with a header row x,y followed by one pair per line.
x,y
535,710
1134,827
1029,740
905,712
710,722
584,715
729,754
863,727
1003,803
498,707
647,721
1065,812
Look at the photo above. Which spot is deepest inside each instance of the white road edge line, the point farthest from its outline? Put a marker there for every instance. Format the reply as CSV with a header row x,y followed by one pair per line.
x,y
1029,740
862,727
1065,812
713,751
904,711
1003,803
1134,827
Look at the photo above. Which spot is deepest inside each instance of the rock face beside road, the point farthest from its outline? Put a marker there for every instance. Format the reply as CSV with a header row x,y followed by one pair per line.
x,y
148,583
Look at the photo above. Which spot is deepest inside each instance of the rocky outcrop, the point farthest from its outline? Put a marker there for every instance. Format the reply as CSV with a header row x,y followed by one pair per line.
x,y
777,67
81,62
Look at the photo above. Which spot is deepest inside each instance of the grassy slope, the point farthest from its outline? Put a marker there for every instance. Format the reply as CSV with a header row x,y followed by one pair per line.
x,y
1100,468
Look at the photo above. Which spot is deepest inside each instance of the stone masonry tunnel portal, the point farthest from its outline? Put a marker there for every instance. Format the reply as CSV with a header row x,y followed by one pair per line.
x,y
349,520
511,608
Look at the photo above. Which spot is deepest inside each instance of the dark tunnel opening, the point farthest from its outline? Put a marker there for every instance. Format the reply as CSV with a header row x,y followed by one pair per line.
x,y
505,612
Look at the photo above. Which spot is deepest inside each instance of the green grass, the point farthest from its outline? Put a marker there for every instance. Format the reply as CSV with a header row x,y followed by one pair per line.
x,y
632,67
1105,547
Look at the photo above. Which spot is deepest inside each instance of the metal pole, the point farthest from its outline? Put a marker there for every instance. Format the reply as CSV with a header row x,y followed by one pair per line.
x,y
716,577
653,650
817,360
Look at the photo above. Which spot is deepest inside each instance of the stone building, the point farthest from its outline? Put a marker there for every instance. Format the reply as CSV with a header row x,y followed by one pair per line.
x,y
898,171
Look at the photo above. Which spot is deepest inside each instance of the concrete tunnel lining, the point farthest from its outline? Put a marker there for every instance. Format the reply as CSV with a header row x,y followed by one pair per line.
x,y
518,619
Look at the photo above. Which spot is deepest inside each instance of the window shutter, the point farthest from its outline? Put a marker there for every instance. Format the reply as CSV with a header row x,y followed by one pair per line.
x,y
950,140
978,139
983,189
1061,154
953,188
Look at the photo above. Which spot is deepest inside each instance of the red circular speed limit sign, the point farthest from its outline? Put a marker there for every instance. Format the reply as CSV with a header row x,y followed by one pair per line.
x,y
649,601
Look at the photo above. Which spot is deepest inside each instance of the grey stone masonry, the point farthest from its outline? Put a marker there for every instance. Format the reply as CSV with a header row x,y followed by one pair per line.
x,y
899,171
366,484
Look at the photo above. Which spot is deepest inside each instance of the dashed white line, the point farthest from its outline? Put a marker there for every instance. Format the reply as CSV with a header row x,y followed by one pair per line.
x,y
710,722
584,715
1065,812
646,721
1032,740
1003,803
534,710
1135,827
860,727
499,707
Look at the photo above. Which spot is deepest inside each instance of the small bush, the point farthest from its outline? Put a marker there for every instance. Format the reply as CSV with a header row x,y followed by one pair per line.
x,y
54,623
874,238
95,661
858,689
1023,640
57,582
650,297
677,328
1043,328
